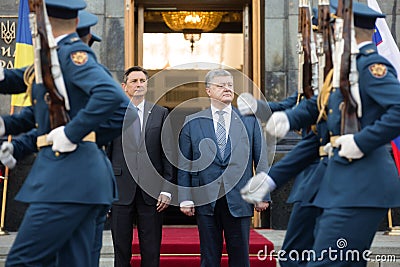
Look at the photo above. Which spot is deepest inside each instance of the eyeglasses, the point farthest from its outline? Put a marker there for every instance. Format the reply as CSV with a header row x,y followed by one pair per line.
x,y
223,85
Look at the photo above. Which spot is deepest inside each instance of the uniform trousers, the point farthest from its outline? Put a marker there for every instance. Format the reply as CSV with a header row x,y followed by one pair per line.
x,y
299,234
57,234
344,236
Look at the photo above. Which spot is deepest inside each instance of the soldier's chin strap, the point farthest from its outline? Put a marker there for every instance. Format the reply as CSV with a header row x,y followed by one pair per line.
x,y
323,96
29,77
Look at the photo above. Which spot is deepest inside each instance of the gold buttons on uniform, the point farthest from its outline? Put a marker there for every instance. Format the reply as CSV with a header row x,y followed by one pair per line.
x,y
34,101
37,125
320,140
330,111
333,90
57,154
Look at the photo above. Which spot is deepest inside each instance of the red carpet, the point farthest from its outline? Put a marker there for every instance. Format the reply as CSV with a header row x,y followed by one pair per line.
x,y
180,247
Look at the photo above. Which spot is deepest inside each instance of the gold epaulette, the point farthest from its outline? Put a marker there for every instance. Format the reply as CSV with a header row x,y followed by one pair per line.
x,y
323,96
29,76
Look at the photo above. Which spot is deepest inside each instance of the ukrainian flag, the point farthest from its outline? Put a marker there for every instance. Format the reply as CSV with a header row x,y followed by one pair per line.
x,y
24,54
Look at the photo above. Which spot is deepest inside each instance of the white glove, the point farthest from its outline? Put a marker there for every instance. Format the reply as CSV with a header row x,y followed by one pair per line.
x,y
278,125
256,188
1,73
2,127
348,147
328,149
247,104
6,155
60,141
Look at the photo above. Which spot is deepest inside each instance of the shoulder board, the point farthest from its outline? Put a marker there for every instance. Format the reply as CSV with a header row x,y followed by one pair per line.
x,y
378,70
369,51
79,58
74,39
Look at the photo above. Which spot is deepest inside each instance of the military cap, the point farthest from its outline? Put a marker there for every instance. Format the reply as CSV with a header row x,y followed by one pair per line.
x,y
364,16
64,9
86,20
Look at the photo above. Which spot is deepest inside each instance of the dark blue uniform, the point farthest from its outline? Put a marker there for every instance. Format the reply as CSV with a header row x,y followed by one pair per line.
x,y
304,163
76,187
356,194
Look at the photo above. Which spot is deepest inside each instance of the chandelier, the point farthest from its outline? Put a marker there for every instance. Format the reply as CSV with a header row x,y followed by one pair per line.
x,y
192,23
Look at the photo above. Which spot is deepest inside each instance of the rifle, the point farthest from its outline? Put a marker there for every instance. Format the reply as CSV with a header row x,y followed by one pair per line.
x,y
345,48
304,51
324,42
47,66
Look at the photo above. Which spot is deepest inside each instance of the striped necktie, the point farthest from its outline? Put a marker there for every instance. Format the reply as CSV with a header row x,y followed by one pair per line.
x,y
221,133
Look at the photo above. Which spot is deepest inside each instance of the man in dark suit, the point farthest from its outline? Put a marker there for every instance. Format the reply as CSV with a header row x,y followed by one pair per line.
x,y
218,149
140,166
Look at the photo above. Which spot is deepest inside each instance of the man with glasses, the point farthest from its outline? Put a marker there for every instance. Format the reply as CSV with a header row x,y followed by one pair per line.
x,y
218,148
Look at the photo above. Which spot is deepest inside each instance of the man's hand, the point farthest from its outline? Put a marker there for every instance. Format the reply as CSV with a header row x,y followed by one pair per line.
x,y
6,155
348,147
247,104
163,202
188,210
261,206
256,188
60,141
278,125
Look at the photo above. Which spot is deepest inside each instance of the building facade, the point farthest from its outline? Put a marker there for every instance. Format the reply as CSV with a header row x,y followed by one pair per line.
x,y
276,65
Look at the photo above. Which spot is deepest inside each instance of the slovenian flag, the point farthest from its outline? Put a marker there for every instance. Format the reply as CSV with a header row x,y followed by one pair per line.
x,y
24,54
387,47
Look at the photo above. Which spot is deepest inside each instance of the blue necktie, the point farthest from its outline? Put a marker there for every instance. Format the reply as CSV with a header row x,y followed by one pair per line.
x,y
221,133
137,129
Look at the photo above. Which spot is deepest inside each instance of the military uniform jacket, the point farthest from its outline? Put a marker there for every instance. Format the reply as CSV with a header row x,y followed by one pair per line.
x,y
84,175
371,181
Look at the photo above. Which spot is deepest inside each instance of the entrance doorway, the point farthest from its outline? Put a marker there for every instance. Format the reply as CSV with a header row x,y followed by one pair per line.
x,y
179,69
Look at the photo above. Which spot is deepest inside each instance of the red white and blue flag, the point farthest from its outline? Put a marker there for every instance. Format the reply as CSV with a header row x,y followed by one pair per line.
x,y
387,47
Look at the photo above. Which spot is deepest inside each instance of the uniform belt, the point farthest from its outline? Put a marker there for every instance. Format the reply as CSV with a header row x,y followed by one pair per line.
x,y
42,140
322,152
333,140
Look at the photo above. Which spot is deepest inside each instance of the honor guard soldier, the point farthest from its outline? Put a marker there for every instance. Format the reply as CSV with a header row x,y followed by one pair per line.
x,y
71,182
306,161
360,182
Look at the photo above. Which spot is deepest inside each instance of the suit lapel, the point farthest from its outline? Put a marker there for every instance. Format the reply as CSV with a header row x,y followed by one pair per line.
x,y
236,130
147,120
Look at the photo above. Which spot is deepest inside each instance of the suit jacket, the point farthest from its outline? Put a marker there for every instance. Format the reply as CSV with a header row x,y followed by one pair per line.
x,y
202,170
145,163
371,181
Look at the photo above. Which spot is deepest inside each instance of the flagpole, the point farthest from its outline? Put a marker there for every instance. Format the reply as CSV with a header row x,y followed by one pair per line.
x,y
5,189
